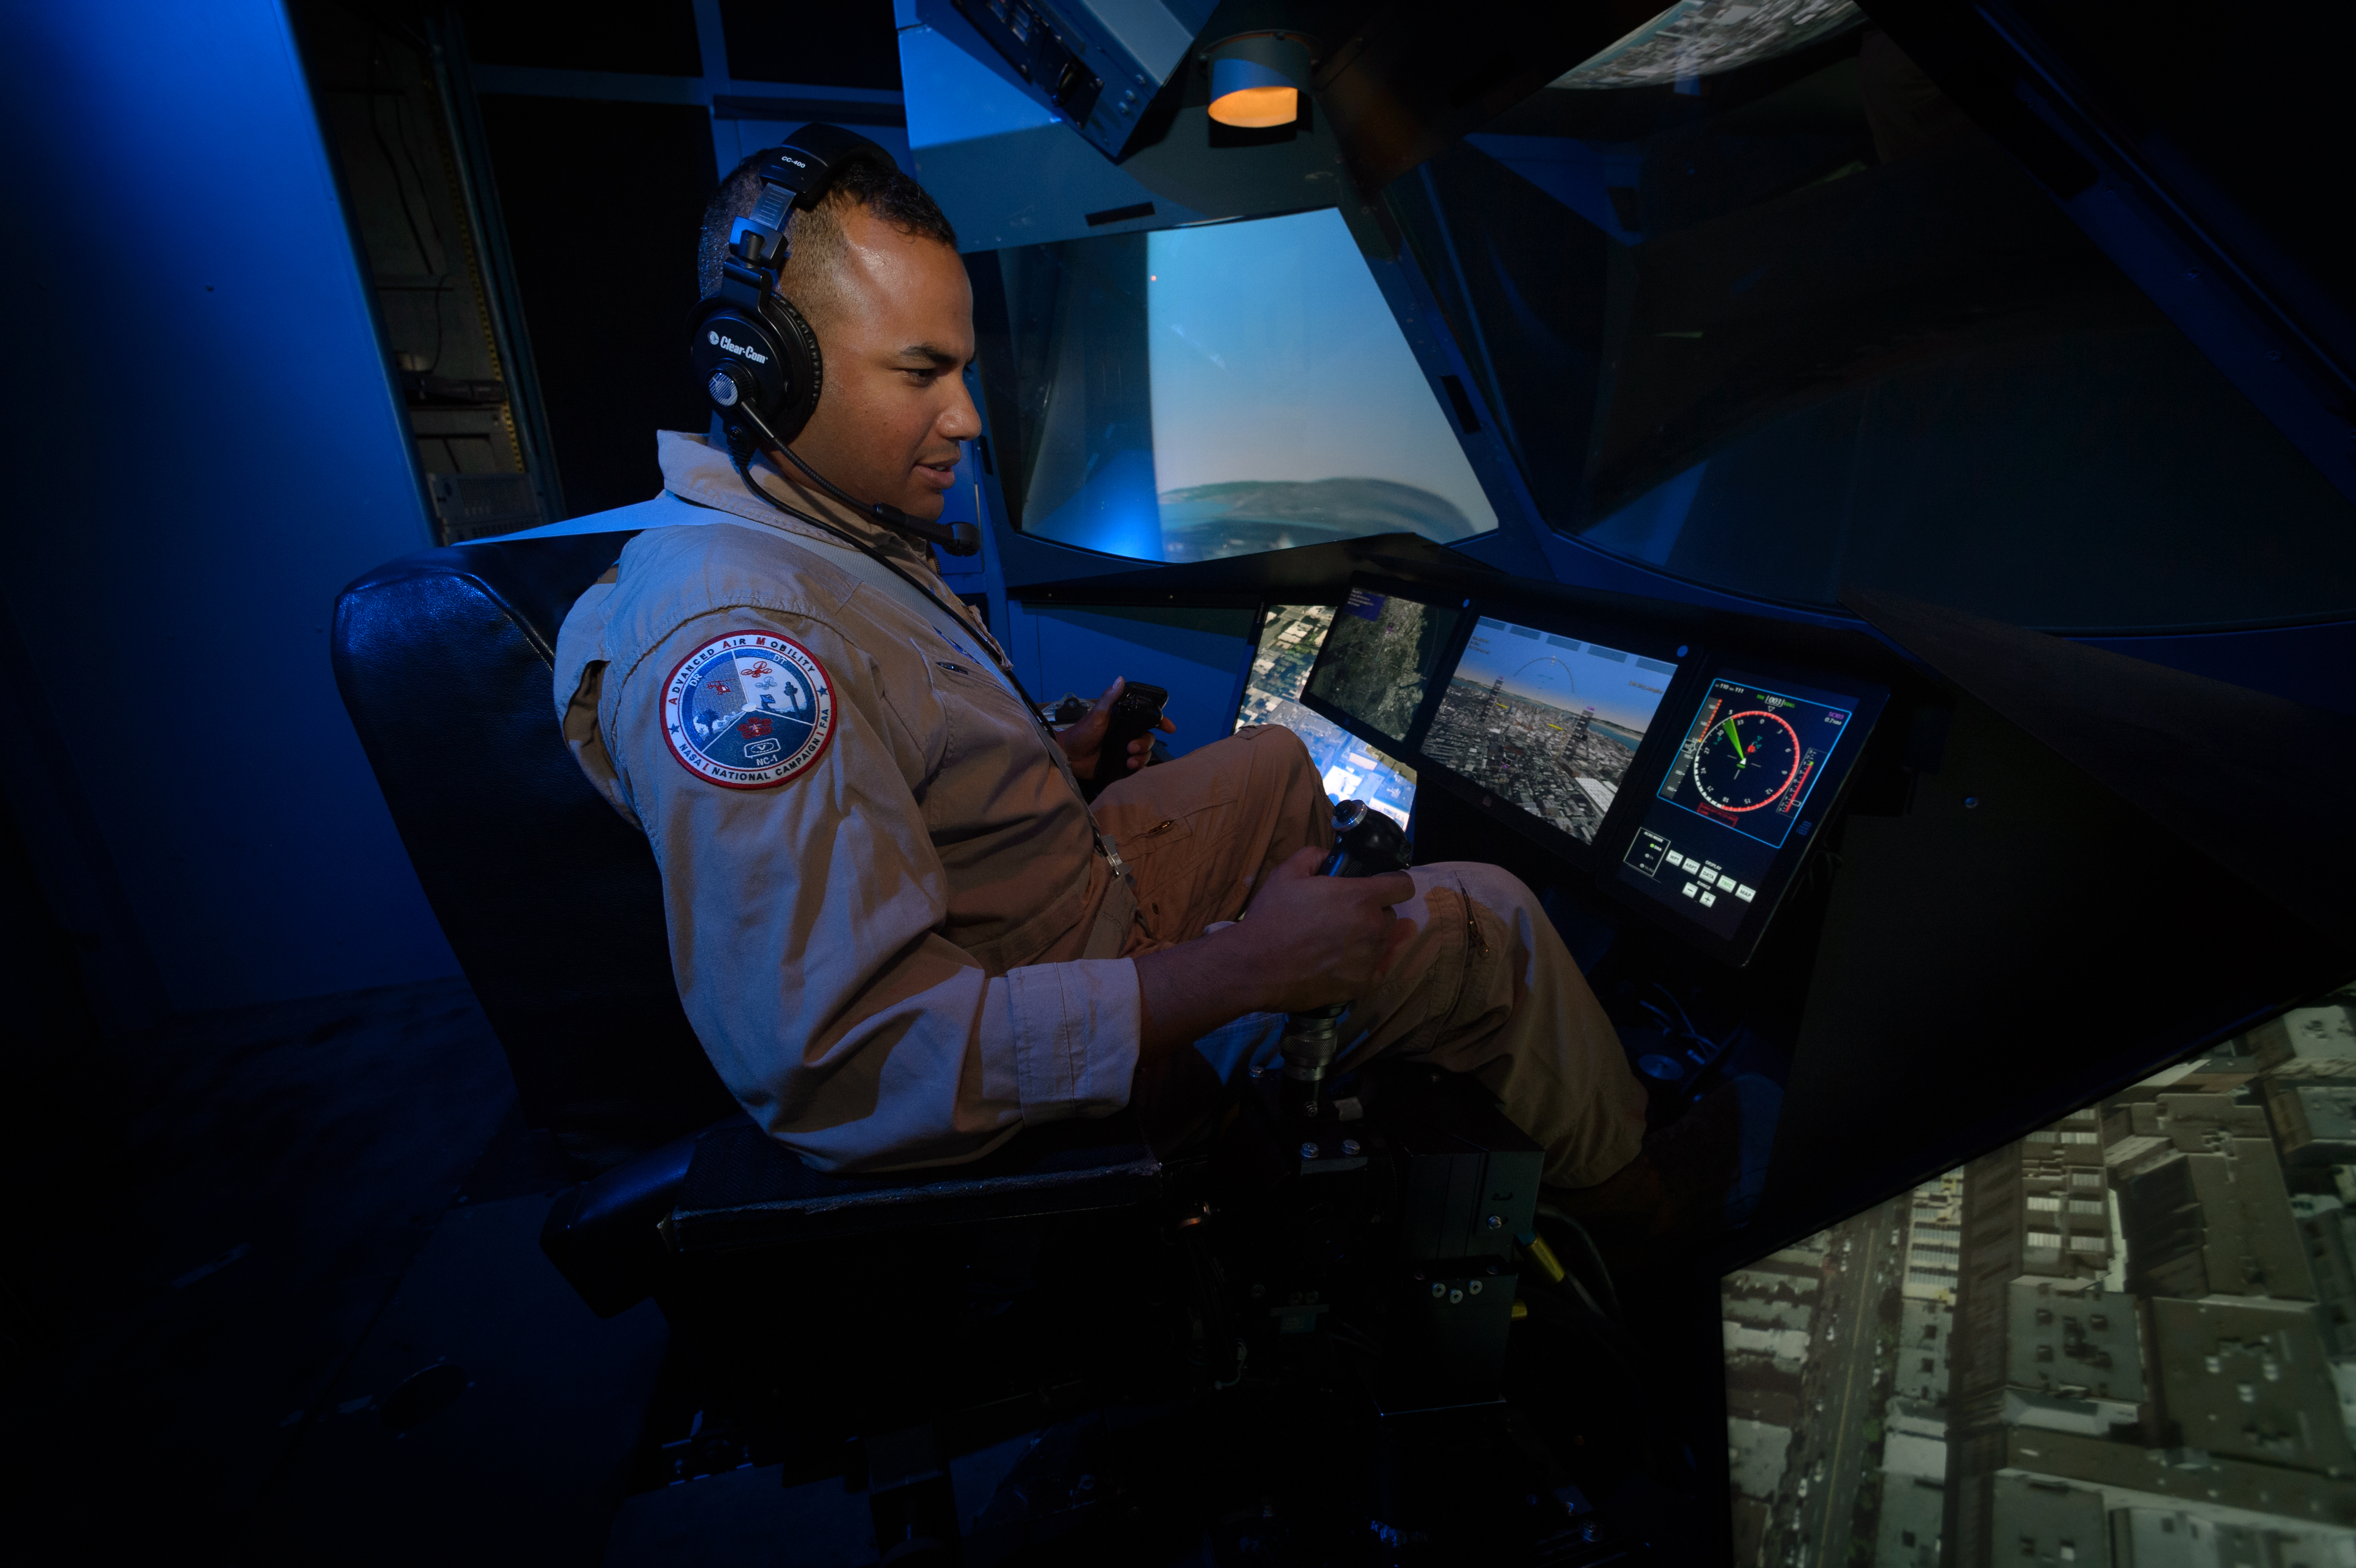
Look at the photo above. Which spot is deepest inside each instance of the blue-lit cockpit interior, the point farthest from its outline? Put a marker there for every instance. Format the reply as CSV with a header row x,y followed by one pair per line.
x,y
1851,502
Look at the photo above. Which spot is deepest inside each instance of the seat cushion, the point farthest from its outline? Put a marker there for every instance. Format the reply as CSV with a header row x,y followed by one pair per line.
x,y
744,1189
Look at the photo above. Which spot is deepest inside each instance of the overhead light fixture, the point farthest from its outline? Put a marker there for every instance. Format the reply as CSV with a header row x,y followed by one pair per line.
x,y
1256,79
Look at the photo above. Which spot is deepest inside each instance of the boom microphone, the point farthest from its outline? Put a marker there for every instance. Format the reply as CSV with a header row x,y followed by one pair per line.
x,y
958,538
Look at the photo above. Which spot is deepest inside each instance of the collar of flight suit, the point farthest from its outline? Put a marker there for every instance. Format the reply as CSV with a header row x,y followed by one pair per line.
x,y
698,471
703,474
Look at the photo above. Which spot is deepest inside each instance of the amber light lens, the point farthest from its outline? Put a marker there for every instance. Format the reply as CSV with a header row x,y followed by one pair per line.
x,y
1258,108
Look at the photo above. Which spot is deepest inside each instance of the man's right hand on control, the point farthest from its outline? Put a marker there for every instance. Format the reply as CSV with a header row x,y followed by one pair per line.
x,y
1306,941
1318,940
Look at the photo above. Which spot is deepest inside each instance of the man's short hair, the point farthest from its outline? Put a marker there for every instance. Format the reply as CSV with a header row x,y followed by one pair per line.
x,y
815,235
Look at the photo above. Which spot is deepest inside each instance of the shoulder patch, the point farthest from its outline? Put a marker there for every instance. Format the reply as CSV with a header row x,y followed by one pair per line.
x,y
748,710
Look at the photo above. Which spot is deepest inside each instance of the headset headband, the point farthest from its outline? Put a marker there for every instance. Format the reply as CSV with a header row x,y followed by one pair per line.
x,y
797,176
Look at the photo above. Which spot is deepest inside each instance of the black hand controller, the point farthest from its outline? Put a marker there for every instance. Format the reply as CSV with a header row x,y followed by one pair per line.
x,y
1365,844
1136,711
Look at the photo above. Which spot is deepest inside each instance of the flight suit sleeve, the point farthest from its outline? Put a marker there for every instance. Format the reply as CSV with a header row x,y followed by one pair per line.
x,y
805,920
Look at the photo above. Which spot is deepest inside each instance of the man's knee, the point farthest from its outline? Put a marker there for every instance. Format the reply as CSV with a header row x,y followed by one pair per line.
x,y
1269,755
1499,908
1280,750
1494,888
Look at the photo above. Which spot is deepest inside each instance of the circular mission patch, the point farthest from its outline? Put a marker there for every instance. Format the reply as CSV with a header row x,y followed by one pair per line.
x,y
748,710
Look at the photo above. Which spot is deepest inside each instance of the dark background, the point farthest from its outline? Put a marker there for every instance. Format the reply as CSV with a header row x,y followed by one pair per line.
x,y
603,200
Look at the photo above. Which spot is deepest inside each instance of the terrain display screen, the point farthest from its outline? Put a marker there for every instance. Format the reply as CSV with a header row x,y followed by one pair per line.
x,y
1290,638
1378,660
1547,723
1760,761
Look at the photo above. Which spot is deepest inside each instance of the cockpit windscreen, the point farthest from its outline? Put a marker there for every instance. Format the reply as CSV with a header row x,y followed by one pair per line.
x,y
1545,721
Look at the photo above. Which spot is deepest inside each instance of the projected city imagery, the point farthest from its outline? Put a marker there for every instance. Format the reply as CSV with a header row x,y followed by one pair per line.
x,y
2127,1338
1379,660
1704,38
1290,637
1545,721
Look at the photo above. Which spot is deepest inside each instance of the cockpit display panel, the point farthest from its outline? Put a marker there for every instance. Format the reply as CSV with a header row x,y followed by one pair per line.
x,y
1761,761
1376,665
1290,636
1752,756
1546,722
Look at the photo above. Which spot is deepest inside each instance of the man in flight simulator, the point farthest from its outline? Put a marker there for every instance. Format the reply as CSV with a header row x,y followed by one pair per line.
x,y
898,928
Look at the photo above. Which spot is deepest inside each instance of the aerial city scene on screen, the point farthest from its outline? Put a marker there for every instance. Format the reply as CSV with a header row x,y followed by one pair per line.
x,y
1379,657
1547,723
1290,637
2127,1340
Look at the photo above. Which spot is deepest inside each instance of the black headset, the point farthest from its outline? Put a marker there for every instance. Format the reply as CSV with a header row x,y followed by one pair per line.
x,y
756,357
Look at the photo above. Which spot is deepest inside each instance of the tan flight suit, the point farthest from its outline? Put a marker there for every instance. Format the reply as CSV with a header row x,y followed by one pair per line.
x,y
917,942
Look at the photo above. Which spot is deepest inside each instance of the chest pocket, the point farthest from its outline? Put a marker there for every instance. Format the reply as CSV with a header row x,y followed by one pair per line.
x,y
979,719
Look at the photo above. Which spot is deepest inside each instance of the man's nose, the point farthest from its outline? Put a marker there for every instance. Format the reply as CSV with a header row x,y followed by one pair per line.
x,y
961,421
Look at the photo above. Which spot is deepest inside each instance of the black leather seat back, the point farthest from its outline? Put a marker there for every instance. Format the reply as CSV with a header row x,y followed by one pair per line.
x,y
551,899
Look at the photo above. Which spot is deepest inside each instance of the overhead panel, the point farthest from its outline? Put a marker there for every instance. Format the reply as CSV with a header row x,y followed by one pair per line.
x,y
1097,63
1006,167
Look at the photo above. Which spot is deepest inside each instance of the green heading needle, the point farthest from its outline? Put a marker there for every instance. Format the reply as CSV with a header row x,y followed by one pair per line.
x,y
1741,760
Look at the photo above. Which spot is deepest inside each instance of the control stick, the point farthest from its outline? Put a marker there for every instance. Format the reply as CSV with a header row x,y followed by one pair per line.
x,y
1365,844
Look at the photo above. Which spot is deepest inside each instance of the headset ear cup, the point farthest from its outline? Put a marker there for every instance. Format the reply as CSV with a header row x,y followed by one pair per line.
x,y
805,371
737,359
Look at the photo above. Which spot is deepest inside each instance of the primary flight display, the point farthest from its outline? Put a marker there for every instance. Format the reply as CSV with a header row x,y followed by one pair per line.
x,y
1547,723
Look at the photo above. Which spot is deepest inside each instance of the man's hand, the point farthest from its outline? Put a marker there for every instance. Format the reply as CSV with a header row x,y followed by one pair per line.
x,y
1304,942
1323,939
1083,741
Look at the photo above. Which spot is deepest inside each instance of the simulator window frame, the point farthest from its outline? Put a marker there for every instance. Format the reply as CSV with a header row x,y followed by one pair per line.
x,y
1408,743
1652,852
1643,766
1746,339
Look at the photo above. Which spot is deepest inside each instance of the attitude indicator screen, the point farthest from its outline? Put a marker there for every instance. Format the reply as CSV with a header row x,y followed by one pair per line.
x,y
1759,763
1751,758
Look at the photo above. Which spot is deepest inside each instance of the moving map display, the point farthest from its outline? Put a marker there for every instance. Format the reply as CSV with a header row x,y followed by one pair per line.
x,y
1545,721
1290,637
1379,660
